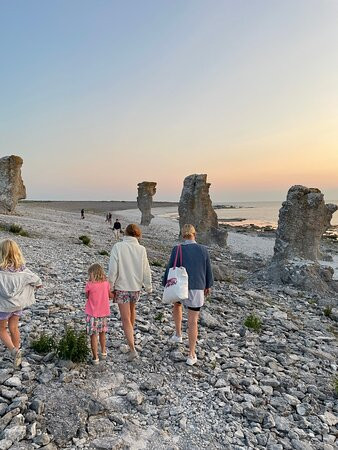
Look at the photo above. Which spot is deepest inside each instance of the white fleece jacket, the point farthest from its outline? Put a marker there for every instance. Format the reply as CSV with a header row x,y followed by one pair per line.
x,y
17,289
129,268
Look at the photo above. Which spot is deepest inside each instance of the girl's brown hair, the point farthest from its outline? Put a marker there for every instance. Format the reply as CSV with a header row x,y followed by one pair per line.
x,y
96,273
10,255
133,230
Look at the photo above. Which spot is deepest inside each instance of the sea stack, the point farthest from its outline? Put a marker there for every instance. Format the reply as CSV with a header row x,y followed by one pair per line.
x,y
12,188
303,219
146,190
195,207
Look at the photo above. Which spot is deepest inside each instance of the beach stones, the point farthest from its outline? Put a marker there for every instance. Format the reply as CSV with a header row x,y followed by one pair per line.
x,y
146,190
195,208
12,188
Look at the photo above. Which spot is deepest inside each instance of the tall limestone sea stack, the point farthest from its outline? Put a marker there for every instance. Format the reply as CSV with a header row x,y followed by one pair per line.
x,y
12,188
146,191
303,219
195,207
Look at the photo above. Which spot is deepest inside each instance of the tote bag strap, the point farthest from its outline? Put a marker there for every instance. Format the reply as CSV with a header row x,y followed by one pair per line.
x,y
178,253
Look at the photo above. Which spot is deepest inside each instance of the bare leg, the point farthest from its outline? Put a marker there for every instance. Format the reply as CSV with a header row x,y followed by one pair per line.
x,y
102,337
132,313
93,343
4,335
177,315
127,325
13,325
192,331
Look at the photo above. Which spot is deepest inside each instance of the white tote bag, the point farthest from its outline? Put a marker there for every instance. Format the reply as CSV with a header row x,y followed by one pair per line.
x,y
176,288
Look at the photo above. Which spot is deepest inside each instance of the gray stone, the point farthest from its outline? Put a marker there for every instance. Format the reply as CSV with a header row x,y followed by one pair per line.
x,y
5,444
15,433
303,219
146,191
195,208
12,188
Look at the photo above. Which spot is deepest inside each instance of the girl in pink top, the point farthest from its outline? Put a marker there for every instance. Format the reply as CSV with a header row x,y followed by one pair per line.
x,y
97,309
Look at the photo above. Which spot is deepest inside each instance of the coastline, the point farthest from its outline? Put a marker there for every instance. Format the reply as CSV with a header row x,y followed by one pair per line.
x,y
136,399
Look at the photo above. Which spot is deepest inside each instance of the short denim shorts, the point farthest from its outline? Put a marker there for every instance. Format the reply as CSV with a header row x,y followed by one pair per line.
x,y
8,315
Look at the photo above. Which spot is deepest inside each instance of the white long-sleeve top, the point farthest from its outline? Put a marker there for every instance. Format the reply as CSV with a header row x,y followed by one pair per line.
x,y
129,268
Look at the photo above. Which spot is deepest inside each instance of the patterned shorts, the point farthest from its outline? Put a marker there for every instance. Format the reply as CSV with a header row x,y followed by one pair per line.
x,y
95,325
126,296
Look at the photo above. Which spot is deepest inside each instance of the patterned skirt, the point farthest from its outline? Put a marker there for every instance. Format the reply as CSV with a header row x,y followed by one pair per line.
x,y
95,325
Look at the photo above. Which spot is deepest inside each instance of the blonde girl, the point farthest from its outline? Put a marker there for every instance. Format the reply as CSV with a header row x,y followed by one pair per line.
x,y
97,309
17,286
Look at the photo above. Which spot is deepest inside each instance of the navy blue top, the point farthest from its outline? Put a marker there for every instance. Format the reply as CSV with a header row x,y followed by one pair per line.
x,y
196,261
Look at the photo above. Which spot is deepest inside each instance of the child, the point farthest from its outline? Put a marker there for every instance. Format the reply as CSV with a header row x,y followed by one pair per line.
x,y
17,285
97,309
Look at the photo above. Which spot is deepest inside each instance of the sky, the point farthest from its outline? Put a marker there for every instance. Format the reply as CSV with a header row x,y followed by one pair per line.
x,y
98,95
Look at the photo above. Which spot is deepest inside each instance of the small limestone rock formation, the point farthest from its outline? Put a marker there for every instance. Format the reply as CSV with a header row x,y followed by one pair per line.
x,y
146,191
12,188
303,218
195,207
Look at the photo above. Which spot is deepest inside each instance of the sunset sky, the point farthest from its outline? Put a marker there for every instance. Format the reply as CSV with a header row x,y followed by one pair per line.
x,y
98,95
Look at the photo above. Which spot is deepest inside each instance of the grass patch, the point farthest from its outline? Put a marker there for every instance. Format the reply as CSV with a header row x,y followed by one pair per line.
x,y
73,346
327,311
312,301
44,344
85,239
156,263
103,253
159,316
335,385
253,322
17,229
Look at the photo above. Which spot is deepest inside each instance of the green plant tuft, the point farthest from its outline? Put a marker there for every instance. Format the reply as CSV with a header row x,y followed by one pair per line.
x,y
73,346
335,385
103,253
159,316
85,239
328,311
17,229
156,263
253,322
24,233
44,344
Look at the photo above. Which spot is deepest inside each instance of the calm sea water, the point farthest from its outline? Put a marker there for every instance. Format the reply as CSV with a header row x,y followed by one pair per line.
x,y
257,213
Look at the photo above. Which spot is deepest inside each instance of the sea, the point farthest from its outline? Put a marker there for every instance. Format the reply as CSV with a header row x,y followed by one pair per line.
x,y
257,213
261,214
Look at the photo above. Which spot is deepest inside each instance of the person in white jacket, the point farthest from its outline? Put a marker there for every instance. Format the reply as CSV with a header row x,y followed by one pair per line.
x,y
17,285
128,272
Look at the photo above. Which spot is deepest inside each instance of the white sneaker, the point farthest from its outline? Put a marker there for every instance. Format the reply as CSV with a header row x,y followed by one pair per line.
x,y
191,360
17,358
176,339
132,355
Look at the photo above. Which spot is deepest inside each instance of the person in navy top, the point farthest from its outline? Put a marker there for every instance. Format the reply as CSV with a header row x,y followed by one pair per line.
x,y
196,261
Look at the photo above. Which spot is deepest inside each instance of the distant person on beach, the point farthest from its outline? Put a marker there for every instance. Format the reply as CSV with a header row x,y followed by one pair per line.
x,y
129,270
82,214
196,261
17,286
109,218
117,229
97,309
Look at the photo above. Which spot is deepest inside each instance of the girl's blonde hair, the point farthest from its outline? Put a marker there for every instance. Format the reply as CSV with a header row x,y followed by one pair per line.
x,y
10,255
188,231
96,273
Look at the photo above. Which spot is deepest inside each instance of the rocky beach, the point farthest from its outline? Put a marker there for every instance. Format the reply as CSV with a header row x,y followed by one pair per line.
x,y
273,388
